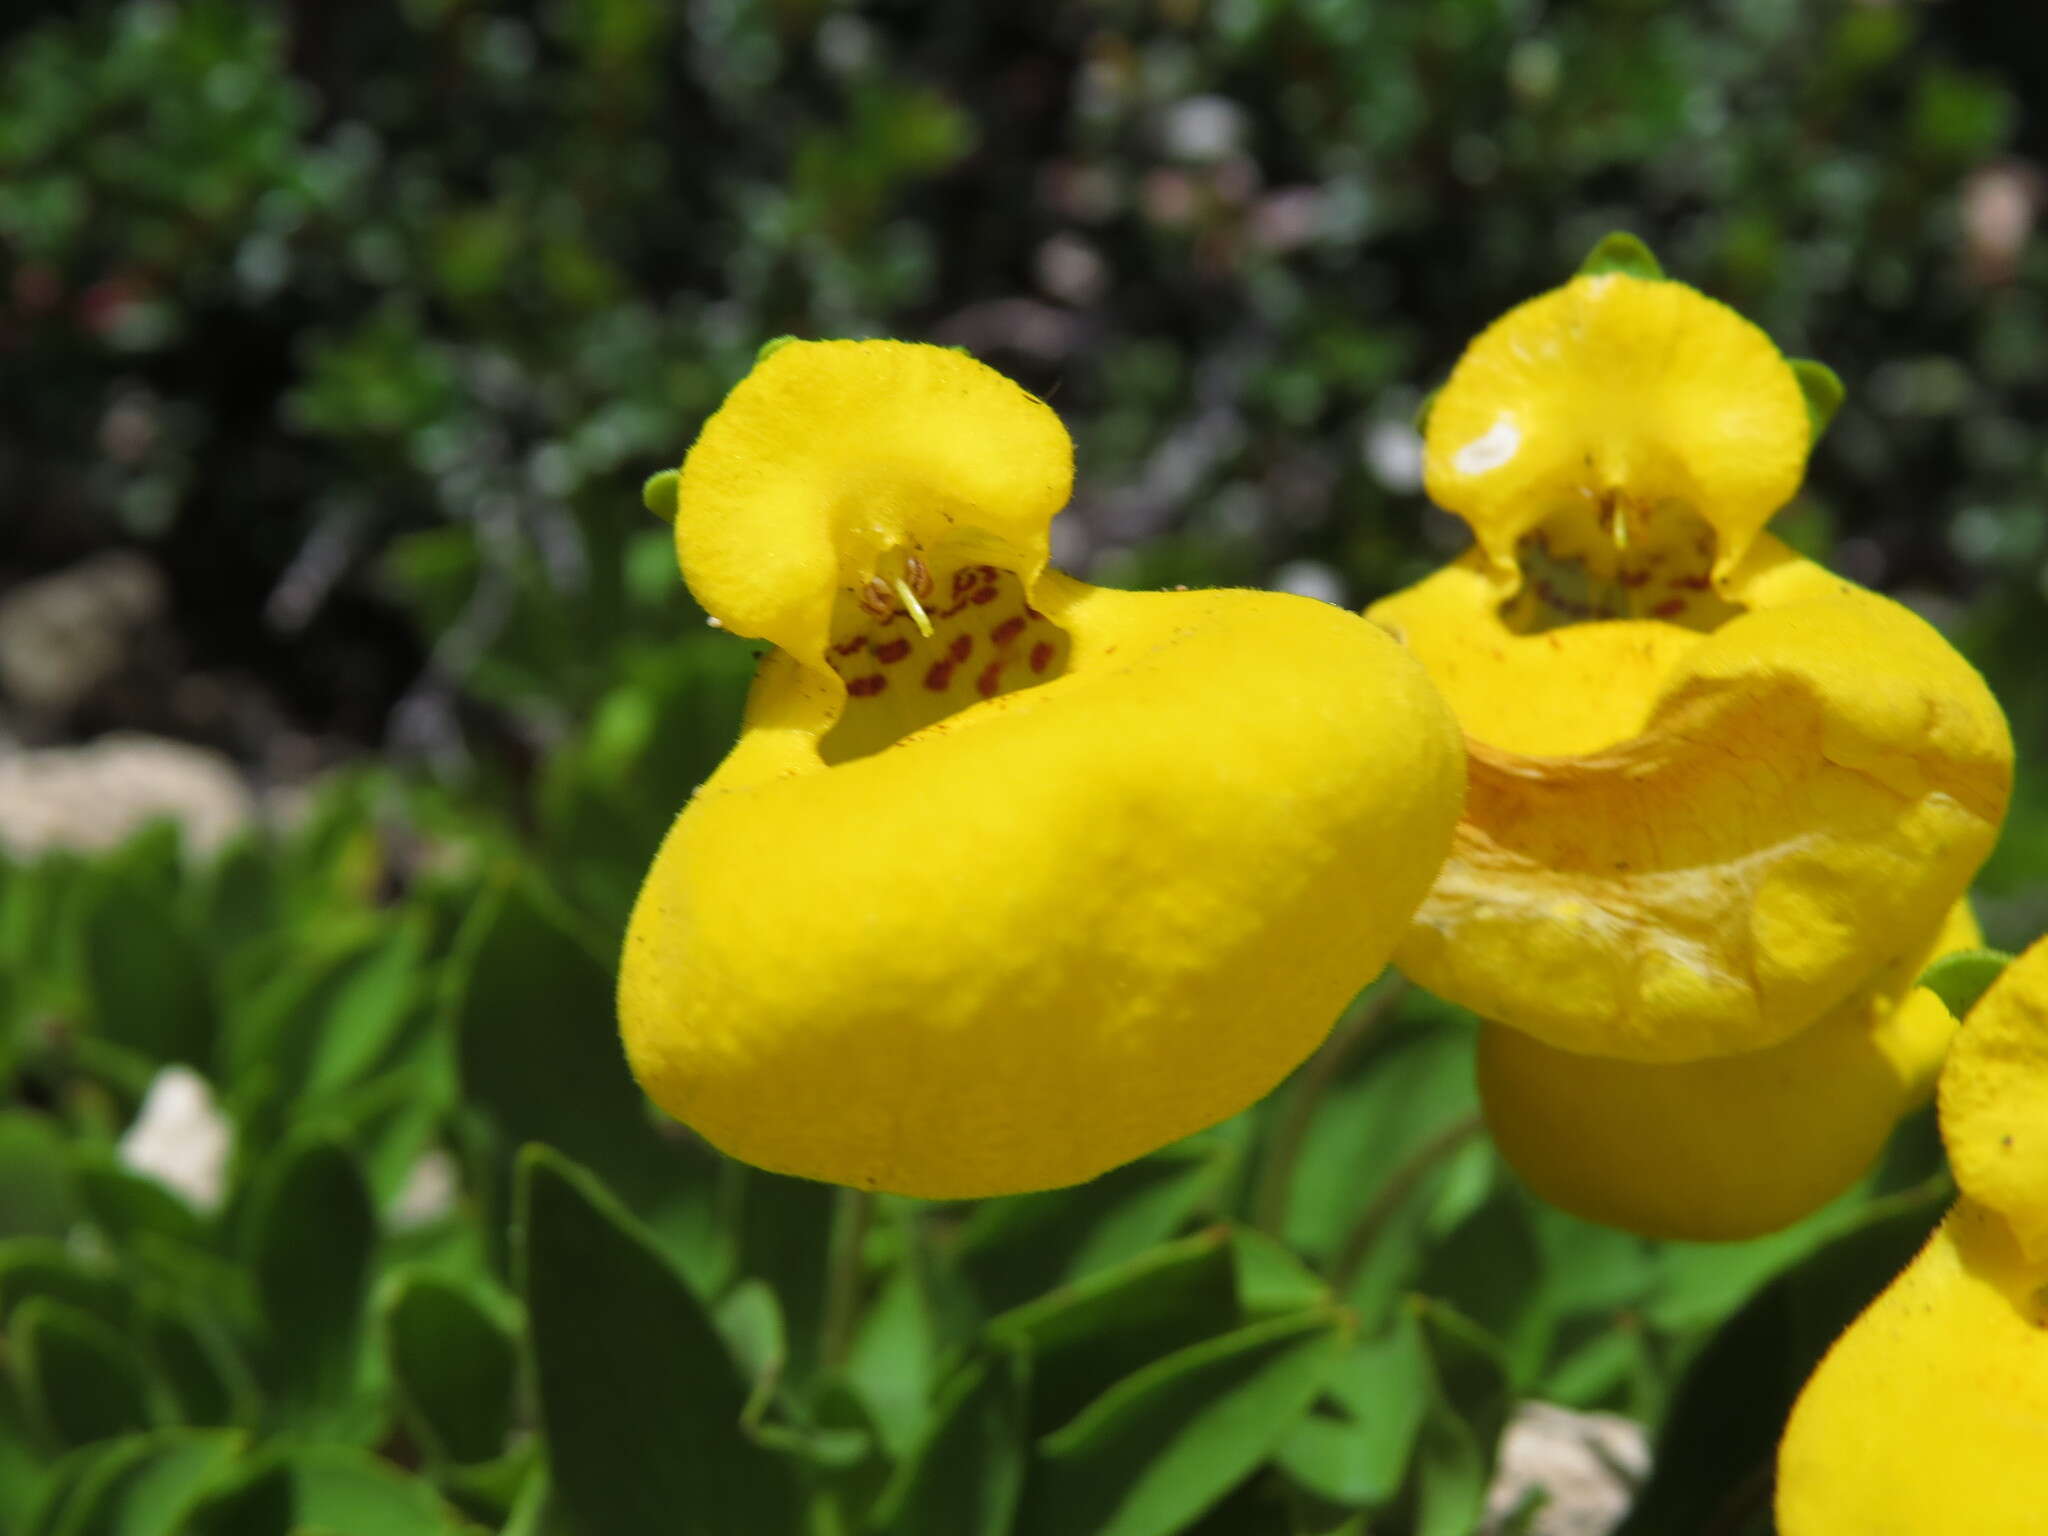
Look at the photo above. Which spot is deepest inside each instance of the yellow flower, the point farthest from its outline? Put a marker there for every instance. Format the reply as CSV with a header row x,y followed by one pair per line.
x,y
1721,803
1009,879
1929,1417
1731,1146
1714,789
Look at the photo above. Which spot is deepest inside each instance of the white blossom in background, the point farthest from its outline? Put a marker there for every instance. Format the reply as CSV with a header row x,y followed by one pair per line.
x,y
1393,452
429,1192
180,1138
1312,578
1203,129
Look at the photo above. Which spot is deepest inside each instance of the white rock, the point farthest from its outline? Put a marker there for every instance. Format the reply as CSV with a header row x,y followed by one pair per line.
x,y
94,796
1589,1465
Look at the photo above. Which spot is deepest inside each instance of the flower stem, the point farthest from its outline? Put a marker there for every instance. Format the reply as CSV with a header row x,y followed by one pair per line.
x,y
1305,1097
846,1270
1401,1183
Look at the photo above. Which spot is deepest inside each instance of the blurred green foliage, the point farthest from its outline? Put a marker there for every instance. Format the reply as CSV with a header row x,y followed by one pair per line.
x,y
395,1319
379,313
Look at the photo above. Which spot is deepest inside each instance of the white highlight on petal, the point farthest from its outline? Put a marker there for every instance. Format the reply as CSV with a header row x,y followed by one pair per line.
x,y
1502,441
180,1138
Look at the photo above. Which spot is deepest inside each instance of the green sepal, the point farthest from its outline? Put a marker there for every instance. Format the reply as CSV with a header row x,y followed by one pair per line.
x,y
658,493
1823,390
1961,978
770,347
1422,411
1621,252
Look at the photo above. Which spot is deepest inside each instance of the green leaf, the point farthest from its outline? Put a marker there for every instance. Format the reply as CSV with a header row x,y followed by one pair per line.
x,y
41,1266
1823,390
1088,1335
749,1319
333,1015
37,1193
641,1402
148,1486
78,1376
531,1003
207,1381
323,1488
454,1367
1961,978
784,1230
1621,252
1015,1249
1490,1269
1716,1447
968,1475
125,1205
1357,1456
1161,1446
345,1490
1461,1429
145,975
658,493
312,1233
1269,1279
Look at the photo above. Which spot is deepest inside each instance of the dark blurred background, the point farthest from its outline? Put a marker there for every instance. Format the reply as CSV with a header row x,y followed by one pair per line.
x,y
335,340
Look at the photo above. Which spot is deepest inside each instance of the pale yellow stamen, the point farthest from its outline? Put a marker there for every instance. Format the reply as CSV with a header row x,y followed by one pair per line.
x,y
914,608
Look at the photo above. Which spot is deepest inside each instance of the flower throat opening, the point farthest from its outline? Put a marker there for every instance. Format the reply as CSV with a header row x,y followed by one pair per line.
x,y
1611,557
928,643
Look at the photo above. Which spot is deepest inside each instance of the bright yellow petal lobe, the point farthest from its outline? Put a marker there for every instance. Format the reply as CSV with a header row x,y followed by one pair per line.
x,y
1625,401
1679,845
1013,935
1994,1101
836,462
1929,1417
1733,1146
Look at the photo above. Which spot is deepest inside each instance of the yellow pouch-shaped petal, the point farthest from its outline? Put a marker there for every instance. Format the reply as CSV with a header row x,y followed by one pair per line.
x,y
1777,806
1009,879
1733,1146
1929,1417
1994,1101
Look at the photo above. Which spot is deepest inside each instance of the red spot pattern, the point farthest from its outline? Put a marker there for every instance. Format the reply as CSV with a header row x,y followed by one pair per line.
x,y
894,651
847,648
939,676
1008,630
1041,656
961,645
990,680
867,687
984,595
1670,608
